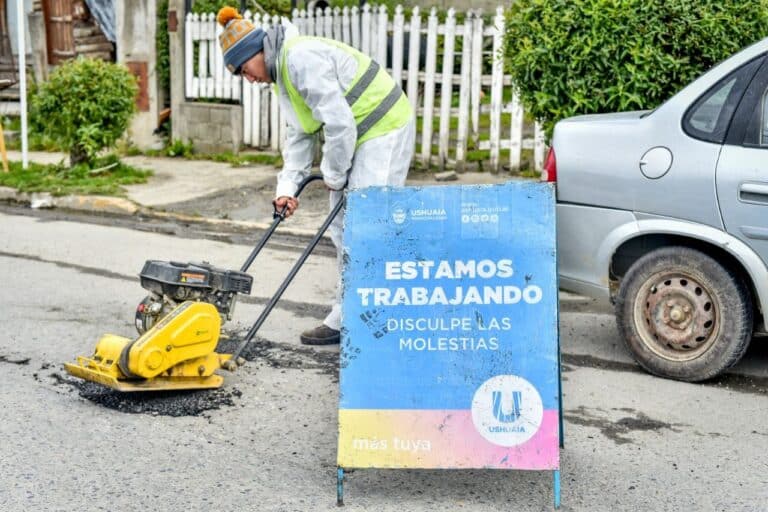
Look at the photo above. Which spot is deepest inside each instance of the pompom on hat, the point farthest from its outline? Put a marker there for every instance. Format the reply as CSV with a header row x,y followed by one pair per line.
x,y
240,40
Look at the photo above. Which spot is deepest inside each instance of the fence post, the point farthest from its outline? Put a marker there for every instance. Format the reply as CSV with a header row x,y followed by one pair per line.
x,y
355,24
397,45
539,147
217,61
429,88
345,33
319,18
477,74
413,60
497,79
464,89
190,29
366,30
516,134
446,92
337,35
381,33
328,23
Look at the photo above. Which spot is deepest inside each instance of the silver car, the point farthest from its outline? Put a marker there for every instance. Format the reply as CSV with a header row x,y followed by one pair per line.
x,y
665,213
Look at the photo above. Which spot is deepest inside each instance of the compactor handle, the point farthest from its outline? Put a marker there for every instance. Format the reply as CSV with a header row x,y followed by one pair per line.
x,y
279,217
309,179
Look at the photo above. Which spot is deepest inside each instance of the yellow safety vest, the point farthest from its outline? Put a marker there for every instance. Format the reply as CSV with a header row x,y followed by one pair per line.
x,y
377,102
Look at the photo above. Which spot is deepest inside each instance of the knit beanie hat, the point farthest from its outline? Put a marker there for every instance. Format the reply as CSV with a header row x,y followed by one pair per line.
x,y
240,40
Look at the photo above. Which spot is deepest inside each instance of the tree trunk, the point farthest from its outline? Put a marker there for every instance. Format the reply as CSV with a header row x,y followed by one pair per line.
x,y
77,155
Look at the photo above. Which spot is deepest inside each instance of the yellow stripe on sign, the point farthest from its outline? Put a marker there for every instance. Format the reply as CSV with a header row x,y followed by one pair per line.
x,y
382,439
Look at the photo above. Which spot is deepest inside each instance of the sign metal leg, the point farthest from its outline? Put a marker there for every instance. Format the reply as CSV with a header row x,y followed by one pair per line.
x,y
556,477
340,487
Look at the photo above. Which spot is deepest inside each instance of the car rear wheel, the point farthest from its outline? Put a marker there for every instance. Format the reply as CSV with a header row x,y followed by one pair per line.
x,y
683,315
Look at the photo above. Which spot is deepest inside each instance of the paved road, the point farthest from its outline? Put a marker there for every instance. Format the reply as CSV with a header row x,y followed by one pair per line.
x,y
267,440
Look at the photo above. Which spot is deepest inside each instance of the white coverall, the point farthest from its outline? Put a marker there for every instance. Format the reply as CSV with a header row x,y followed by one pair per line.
x,y
321,73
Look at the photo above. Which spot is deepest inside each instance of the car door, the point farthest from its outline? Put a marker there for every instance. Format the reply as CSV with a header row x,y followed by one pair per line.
x,y
742,169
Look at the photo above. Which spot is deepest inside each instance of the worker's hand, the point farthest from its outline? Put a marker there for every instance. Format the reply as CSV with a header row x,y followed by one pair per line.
x,y
281,202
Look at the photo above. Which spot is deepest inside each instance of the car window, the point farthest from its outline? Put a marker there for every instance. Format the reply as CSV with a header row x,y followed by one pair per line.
x,y
704,117
750,123
764,120
708,118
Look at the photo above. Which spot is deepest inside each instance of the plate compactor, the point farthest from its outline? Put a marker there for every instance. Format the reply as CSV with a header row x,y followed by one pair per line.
x,y
179,323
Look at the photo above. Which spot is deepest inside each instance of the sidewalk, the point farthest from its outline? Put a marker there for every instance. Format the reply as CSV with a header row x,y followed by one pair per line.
x,y
206,191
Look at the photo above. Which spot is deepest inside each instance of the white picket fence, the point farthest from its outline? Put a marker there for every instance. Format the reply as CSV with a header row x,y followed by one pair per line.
x,y
465,77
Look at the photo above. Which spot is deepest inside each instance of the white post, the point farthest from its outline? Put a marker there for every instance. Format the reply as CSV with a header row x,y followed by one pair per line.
x,y
355,23
466,61
337,35
217,64
381,33
319,18
429,88
397,45
189,79
446,93
265,94
345,35
497,78
22,46
539,147
516,134
366,30
328,22
477,74
247,104
413,60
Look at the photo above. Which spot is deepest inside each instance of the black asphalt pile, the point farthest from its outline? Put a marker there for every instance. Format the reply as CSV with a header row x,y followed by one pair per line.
x,y
284,355
156,403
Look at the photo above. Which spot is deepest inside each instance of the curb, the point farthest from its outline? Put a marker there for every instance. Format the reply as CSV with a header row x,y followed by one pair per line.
x,y
125,207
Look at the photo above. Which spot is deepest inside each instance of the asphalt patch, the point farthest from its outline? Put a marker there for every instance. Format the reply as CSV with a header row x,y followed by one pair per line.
x,y
284,355
155,403
617,431
23,362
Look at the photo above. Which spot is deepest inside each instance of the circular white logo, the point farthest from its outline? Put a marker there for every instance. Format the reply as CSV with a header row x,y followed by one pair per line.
x,y
507,410
399,214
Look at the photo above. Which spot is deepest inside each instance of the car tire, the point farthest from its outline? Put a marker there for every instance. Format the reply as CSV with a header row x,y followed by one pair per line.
x,y
683,315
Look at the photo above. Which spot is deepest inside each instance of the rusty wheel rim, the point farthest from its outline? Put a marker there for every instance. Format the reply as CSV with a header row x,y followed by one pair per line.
x,y
676,316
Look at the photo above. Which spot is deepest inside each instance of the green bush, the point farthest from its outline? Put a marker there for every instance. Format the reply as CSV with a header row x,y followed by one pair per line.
x,y
271,6
569,57
85,106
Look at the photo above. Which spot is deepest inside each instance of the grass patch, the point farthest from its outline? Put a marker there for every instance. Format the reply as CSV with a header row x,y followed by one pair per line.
x,y
241,159
106,177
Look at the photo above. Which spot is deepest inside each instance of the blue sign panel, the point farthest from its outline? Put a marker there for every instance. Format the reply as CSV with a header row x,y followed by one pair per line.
x,y
449,342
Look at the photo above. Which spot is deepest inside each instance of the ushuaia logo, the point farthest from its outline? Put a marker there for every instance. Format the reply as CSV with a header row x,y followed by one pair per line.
x,y
399,214
499,414
507,410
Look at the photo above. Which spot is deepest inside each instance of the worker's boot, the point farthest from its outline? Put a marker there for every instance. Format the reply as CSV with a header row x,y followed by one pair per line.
x,y
321,335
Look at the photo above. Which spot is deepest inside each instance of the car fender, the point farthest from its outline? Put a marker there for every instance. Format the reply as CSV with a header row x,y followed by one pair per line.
x,y
756,269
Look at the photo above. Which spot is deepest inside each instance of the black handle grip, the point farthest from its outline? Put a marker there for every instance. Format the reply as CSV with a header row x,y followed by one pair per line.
x,y
309,179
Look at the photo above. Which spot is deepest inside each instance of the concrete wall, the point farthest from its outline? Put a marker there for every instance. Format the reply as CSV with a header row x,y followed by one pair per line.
x,y
211,127
136,27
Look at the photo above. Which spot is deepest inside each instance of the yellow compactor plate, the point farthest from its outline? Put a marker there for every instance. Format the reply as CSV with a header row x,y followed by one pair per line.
x,y
154,384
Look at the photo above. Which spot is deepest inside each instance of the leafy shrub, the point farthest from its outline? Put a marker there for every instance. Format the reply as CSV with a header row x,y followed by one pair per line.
x,y
179,148
271,6
85,106
570,57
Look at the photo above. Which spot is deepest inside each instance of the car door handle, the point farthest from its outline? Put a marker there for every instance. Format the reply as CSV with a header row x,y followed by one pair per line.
x,y
754,192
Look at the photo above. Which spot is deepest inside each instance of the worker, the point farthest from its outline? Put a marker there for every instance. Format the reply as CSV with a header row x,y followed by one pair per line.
x,y
367,122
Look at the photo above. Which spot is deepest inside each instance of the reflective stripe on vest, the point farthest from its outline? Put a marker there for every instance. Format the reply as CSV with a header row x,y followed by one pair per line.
x,y
377,103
